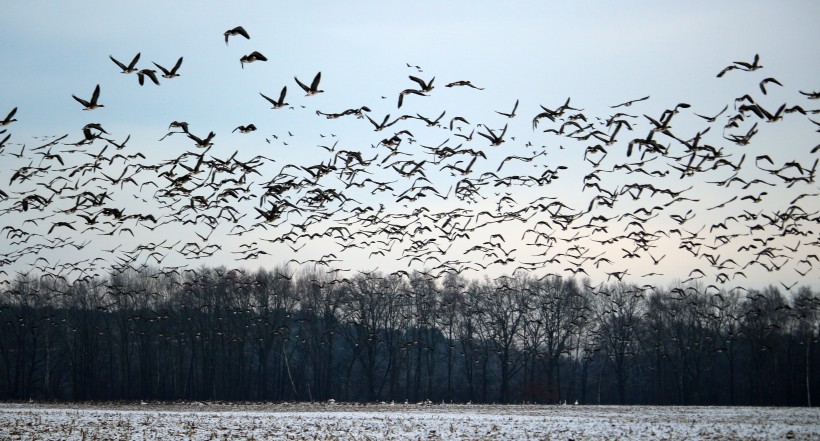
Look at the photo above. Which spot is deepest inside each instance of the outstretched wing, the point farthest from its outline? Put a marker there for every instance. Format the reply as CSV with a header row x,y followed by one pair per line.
x,y
134,61
305,88
96,95
164,70
315,84
122,66
176,66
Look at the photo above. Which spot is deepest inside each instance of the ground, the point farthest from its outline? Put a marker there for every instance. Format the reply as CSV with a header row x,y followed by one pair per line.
x,y
426,421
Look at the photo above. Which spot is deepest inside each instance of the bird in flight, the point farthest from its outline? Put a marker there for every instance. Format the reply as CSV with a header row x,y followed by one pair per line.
x,y
202,142
766,81
314,86
277,104
9,119
408,92
239,30
251,57
425,87
245,129
170,73
713,118
92,104
150,73
495,141
380,126
811,95
463,83
511,114
131,67
629,103
742,65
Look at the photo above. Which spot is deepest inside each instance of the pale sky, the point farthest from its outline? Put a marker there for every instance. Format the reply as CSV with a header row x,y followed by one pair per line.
x,y
540,53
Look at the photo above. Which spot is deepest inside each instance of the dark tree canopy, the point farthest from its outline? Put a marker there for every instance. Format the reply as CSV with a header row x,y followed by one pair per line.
x,y
219,334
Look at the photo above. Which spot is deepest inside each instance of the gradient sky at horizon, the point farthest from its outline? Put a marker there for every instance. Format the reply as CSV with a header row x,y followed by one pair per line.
x,y
597,53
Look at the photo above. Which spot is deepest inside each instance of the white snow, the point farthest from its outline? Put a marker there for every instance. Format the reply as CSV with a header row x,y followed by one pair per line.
x,y
326,421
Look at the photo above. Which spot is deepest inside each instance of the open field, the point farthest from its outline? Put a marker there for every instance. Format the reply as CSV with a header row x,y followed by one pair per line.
x,y
204,421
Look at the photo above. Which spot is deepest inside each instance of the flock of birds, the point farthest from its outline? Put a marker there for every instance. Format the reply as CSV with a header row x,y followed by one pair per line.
x,y
392,202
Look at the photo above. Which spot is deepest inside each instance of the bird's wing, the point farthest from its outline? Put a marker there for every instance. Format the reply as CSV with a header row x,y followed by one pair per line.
x,y
122,66
81,101
272,101
305,88
134,61
315,84
164,70
96,94
176,66
419,81
487,136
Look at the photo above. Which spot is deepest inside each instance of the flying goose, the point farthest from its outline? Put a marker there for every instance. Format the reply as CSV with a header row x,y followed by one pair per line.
x,y
9,119
170,73
277,104
742,65
768,80
511,114
131,68
629,103
408,92
463,83
150,73
239,30
314,86
495,141
425,87
92,104
245,129
251,57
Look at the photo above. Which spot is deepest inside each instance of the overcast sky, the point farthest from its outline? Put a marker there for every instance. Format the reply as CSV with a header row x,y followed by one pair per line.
x,y
598,53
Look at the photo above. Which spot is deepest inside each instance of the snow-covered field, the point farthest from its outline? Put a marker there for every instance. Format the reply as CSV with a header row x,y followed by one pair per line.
x,y
208,421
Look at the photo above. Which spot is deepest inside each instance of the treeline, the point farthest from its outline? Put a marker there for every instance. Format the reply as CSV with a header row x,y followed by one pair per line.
x,y
215,334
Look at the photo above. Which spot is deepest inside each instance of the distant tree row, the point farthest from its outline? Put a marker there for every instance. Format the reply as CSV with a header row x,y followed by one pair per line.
x,y
215,334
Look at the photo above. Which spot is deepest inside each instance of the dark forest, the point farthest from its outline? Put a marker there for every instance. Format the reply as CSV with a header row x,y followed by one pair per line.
x,y
266,335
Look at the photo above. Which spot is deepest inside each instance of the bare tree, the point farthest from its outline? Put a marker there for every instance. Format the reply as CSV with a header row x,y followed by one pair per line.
x,y
505,310
619,309
556,311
